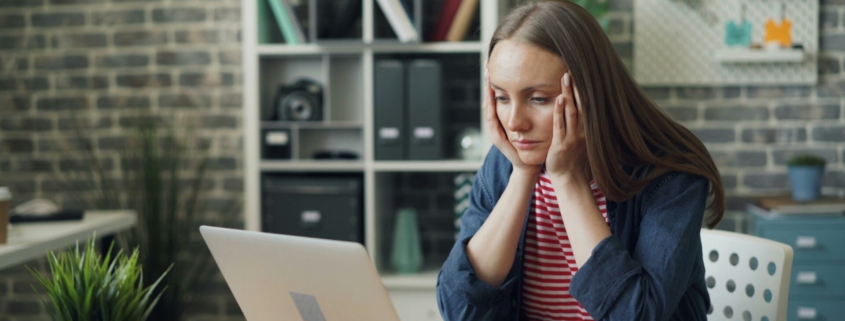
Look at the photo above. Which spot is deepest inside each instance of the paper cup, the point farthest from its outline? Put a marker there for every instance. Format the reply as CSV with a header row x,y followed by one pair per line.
x,y
5,202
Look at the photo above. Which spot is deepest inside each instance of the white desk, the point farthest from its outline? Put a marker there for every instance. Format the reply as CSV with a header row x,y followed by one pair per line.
x,y
32,240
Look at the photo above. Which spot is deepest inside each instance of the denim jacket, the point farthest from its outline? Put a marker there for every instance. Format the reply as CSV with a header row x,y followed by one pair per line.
x,y
651,268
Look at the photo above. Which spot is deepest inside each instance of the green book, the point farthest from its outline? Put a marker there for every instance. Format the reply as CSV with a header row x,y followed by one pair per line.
x,y
284,17
263,22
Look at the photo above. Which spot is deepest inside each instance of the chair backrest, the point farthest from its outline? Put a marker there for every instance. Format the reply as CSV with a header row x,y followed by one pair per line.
x,y
747,276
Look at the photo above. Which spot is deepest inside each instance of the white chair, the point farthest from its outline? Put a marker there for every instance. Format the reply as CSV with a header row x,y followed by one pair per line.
x,y
747,276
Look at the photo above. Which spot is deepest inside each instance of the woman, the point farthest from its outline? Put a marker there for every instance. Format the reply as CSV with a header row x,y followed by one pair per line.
x,y
587,175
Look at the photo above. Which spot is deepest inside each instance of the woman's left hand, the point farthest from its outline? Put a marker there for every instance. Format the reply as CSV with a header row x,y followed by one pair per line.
x,y
567,157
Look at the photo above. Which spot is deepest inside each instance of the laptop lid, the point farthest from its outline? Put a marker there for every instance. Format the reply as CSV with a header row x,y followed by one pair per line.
x,y
281,277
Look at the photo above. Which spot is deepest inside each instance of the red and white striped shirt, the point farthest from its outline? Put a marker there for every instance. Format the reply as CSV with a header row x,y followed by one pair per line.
x,y
549,260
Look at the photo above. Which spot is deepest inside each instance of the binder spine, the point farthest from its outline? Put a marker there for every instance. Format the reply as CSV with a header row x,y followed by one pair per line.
x,y
389,111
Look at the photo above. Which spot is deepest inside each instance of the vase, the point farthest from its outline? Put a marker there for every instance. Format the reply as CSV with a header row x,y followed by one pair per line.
x,y
406,255
806,182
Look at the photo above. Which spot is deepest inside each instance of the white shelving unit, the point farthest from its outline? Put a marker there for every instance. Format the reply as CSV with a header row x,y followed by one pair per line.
x,y
346,71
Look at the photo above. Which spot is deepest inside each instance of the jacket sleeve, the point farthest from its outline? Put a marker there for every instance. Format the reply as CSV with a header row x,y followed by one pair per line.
x,y
460,294
648,283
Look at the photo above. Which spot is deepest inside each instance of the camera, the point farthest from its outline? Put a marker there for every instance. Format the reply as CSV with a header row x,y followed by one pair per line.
x,y
301,101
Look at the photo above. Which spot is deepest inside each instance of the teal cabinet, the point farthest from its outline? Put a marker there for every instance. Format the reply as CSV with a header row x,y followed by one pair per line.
x,y
817,285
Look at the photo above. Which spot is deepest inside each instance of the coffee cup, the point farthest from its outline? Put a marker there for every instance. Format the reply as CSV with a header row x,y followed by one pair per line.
x,y
5,203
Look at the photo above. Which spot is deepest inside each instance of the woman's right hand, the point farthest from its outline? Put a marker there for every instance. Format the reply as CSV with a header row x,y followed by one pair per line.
x,y
497,132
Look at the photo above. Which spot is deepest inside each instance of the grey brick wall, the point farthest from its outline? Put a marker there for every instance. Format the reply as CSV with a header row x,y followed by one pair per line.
x,y
106,62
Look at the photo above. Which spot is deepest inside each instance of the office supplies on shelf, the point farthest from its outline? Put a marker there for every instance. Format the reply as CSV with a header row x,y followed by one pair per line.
x,y
335,154
345,17
785,205
327,207
264,31
468,144
463,17
425,111
285,19
42,210
406,255
62,215
300,101
463,187
399,20
444,20
408,5
297,26
276,143
389,110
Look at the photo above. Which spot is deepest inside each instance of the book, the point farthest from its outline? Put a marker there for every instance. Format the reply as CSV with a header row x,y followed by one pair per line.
x,y
263,23
399,20
300,34
389,109
785,205
283,18
463,18
409,9
444,20
345,17
425,112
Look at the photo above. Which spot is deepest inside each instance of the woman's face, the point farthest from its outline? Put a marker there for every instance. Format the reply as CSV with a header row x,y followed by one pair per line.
x,y
526,82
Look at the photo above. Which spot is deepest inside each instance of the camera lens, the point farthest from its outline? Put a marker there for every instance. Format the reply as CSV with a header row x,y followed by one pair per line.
x,y
299,107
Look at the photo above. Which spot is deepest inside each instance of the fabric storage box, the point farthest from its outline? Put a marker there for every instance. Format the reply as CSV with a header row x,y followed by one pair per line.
x,y
324,206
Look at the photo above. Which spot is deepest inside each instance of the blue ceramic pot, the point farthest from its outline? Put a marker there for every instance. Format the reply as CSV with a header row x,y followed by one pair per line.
x,y
806,182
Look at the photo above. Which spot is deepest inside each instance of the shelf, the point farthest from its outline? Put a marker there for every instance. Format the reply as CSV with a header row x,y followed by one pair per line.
x,y
745,55
309,49
426,280
428,47
313,165
427,166
378,47
313,125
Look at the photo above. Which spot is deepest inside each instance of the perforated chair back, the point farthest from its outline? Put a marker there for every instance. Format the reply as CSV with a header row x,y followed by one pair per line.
x,y
747,276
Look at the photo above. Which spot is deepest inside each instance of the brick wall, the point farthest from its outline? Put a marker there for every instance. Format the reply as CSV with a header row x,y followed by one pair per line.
x,y
107,62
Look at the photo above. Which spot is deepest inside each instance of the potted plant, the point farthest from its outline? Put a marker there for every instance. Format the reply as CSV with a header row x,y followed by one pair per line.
x,y
84,287
805,175
163,176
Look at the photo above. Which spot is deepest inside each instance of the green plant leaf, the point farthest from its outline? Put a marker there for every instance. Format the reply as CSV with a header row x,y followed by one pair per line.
x,y
83,287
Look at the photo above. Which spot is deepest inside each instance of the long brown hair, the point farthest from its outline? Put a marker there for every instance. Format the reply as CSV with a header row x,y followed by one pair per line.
x,y
624,128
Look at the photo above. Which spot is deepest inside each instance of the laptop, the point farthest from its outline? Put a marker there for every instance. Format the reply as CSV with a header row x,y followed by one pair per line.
x,y
281,277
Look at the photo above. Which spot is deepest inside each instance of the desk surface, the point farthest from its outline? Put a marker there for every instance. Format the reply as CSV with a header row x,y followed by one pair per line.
x,y
32,240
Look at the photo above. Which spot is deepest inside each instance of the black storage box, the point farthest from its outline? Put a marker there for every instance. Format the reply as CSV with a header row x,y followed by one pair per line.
x,y
276,143
328,207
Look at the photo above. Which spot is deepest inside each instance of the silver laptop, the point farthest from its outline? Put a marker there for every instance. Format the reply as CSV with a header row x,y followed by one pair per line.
x,y
280,277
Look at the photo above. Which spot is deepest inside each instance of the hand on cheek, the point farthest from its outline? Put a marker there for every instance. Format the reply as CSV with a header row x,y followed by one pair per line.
x,y
567,157
497,133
